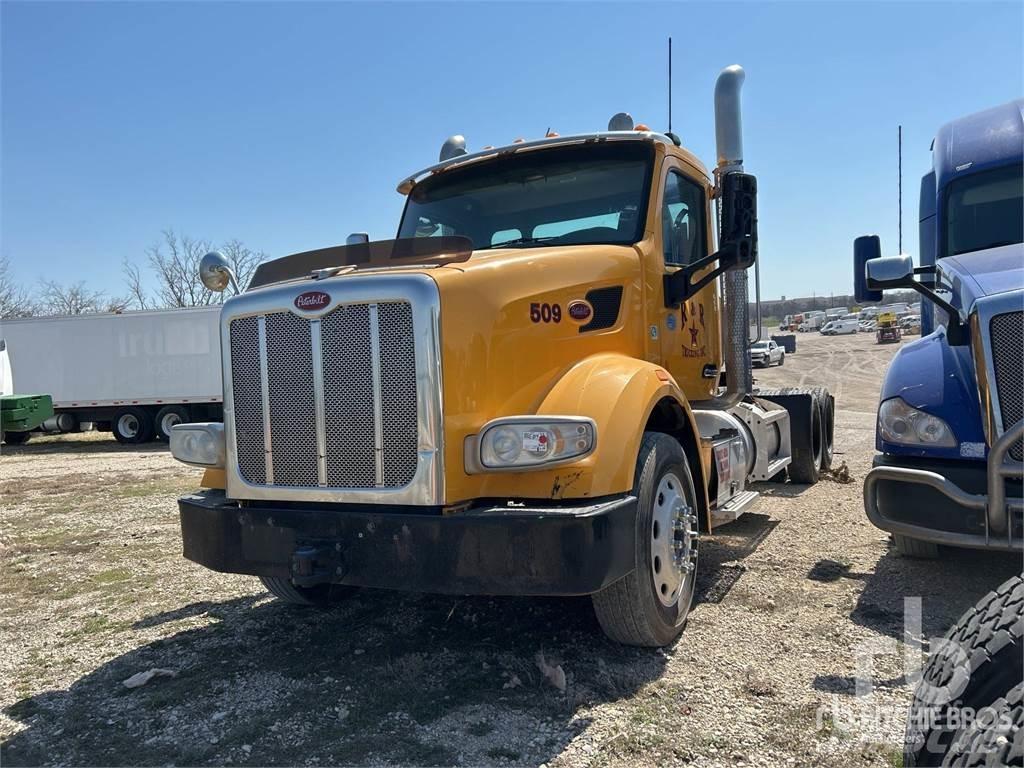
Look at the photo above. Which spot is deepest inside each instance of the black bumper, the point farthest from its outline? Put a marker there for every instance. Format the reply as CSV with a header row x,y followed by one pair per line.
x,y
481,551
924,512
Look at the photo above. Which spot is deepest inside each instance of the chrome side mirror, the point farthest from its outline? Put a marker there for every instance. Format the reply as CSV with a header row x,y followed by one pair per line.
x,y
216,273
889,272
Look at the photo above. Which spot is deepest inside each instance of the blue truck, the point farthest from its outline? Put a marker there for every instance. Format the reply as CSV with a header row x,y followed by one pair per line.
x,y
949,430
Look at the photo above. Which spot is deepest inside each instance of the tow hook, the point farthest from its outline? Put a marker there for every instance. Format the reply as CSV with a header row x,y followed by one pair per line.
x,y
314,564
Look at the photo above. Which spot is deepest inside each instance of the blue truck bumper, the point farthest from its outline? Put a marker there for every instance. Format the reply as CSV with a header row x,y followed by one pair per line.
x,y
976,505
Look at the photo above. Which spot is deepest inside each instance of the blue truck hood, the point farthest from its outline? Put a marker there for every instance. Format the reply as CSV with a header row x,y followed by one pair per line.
x,y
984,273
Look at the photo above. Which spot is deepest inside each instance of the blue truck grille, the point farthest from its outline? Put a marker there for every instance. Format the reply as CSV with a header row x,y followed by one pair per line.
x,y
1007,334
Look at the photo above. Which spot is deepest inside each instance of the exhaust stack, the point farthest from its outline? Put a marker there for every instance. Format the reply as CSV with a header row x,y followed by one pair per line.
x,y
729,147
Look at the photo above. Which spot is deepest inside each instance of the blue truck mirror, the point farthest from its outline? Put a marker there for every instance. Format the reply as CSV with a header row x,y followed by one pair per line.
x,y
865,248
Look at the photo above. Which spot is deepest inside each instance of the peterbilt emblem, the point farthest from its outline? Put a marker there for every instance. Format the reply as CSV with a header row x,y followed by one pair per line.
x,y
580,311
312,300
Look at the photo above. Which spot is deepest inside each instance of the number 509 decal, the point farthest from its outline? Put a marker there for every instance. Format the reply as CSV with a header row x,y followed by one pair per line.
x,y
546,313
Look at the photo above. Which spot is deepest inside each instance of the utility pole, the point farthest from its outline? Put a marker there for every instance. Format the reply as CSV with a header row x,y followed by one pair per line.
x,y
899,162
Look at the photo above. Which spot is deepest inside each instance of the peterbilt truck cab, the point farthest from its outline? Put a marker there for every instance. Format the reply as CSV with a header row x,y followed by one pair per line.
x,y
948,468
536,388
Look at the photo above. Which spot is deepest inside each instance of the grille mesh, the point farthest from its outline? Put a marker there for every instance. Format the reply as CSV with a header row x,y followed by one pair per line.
x,y
292,412
349,398
246,391
398,393
1007,333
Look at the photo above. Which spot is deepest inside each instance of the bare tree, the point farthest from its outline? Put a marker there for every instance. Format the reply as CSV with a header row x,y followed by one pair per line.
x,y
15,301
77,299
175,267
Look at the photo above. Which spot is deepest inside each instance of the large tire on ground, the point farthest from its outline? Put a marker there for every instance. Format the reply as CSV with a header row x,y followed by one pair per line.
x,y
908,547
321,595
17,438
782,359
167,418
649,606
828,425
132,426
808,450
977,668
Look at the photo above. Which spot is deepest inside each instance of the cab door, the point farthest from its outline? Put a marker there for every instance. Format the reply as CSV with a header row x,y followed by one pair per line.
x,y
689,333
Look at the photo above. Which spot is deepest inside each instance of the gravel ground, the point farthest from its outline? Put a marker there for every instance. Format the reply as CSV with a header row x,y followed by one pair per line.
x,y
793,602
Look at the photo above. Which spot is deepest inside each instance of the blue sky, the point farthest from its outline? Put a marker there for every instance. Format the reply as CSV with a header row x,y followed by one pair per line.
x,y
289,125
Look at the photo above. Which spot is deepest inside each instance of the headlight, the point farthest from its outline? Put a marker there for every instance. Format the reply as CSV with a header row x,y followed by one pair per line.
x,y
900,423
199,444
521,442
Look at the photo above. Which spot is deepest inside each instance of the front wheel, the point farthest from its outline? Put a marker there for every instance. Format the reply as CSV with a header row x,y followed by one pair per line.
x,y
16,438
649,606
321,595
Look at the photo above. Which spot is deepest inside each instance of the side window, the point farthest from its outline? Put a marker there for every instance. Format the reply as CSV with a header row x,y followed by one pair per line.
x,y
682,220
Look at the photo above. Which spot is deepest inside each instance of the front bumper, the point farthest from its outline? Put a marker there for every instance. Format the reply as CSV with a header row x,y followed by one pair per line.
x,y
950,502
487,550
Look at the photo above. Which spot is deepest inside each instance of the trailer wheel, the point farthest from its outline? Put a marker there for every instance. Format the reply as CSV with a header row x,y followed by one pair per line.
x,y
649,606
16,438
827,404
977,666
132,426
167,418
321,595
908,547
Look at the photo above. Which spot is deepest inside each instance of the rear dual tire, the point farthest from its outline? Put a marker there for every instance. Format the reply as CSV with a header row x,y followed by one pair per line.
x,y
132,426
319,596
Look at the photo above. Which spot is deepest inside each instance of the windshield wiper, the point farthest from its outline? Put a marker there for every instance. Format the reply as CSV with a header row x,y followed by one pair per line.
x,y
518,241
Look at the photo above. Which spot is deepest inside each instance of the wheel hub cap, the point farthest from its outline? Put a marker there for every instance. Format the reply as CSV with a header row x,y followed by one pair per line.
x,y
673,539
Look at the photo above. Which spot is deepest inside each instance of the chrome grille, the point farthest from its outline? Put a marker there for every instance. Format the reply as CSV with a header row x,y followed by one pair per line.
x,y
348,398
339,395
247,389
1007,338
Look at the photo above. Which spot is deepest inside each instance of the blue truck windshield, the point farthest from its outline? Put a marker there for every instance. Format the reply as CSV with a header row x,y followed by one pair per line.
x,y
985,210
565,196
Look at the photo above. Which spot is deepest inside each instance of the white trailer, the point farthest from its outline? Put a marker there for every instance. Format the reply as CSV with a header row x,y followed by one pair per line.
x,y
136,374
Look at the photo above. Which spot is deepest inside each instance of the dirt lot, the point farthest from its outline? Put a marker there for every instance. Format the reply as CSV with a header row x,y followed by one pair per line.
x,y
95,591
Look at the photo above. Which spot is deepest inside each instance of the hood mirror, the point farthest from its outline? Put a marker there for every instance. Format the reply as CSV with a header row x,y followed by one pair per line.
x,y
216,273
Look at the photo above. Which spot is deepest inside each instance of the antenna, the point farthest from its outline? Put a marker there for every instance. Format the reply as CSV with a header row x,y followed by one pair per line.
x,y
670,84
899,162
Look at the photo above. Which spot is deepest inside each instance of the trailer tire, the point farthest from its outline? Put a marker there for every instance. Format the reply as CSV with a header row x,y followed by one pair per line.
x,y
979,665
16,438
648,607
320,596
921,550
132,426
167,418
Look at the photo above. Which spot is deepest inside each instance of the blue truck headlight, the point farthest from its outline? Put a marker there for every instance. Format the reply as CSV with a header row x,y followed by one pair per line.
x,y
521,442
903,424
199,444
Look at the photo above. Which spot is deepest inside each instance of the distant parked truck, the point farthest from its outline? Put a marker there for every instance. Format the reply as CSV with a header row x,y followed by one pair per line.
x,y
136,374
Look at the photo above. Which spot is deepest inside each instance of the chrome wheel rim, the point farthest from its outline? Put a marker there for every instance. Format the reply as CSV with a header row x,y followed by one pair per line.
x,y
128,425
673,537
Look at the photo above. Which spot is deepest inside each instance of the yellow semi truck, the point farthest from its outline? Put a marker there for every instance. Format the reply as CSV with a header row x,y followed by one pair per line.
x,y
540,387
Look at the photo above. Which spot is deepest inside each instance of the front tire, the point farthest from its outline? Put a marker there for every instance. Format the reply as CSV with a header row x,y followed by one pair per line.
x,y
649,606
321,595
16,438
921,550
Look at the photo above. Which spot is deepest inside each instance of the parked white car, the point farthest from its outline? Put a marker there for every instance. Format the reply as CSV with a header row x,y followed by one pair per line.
x,y
842,327
765,353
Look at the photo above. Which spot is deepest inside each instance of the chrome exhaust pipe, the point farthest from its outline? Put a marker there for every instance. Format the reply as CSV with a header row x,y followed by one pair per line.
x,y
729,148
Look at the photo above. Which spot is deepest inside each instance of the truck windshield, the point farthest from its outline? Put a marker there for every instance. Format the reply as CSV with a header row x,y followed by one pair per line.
x,y
595,193
985,210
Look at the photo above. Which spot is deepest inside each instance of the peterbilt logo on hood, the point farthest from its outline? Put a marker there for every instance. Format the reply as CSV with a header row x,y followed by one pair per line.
x,y
580,310
311,300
